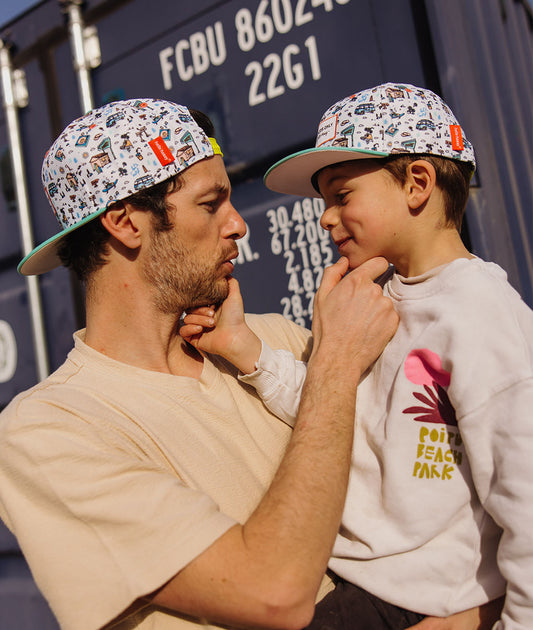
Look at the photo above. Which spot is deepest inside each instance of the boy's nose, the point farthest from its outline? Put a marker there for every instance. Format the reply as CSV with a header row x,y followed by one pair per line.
x,y
328,219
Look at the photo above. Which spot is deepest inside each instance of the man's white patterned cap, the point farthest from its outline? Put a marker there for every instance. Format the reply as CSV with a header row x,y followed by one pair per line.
x,y
381,121
109,154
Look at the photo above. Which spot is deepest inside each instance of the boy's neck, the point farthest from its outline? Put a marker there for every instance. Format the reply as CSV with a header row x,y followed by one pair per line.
x,y
442,248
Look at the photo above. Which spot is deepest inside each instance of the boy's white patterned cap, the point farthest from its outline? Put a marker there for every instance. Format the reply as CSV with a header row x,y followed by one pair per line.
x,y
109,154
378,122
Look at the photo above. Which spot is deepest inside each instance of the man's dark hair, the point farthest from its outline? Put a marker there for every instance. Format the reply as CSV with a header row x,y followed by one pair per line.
x,y
453,179
84,250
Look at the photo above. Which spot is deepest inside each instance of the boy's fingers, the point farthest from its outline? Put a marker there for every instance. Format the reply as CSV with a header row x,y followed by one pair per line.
x,y
207,311
231,311
234,289
233,285
199,320
190,330
193,340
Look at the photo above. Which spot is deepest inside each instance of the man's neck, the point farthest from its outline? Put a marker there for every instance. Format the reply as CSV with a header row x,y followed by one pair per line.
x,y
124,325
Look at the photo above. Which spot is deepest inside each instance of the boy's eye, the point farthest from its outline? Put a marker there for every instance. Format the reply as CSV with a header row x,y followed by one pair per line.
x,y
340,197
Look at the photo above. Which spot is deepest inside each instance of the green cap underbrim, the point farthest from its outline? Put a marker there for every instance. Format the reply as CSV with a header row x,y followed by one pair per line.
x,y
44,257
293,175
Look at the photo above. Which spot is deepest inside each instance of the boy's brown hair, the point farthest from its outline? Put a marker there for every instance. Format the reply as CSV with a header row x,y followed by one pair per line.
x,y
453,179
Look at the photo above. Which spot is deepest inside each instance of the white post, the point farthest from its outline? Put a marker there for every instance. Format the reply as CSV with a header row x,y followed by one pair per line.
x,y
21,191
82,64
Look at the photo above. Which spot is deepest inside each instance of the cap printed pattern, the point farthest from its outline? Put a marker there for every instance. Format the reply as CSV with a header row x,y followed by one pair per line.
x,y
109,154
395,119
378,122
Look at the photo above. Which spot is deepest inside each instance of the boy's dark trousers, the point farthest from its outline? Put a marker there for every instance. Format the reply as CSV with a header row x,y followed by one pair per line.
x,y
349,607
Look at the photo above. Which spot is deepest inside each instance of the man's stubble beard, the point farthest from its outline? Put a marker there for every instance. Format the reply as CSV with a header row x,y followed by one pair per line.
x,y
180,278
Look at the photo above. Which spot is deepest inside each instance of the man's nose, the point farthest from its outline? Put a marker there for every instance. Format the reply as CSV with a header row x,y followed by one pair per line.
x,y
235,227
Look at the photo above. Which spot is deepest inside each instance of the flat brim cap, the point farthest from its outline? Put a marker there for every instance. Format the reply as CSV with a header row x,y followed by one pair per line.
x,y
44,257
109,154
293,175
388,119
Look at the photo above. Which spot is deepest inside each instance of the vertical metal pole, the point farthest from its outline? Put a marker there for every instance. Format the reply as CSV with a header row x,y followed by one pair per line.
x,y
81,63
21,192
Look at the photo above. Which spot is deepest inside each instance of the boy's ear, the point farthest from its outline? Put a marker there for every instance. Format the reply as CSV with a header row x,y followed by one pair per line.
x,y
421,181
121,220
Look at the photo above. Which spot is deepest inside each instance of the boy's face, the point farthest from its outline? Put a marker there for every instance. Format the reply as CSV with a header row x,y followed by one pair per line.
x,y
365,211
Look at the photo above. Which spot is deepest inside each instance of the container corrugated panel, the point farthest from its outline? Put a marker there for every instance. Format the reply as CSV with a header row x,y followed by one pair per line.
x,y
484,53
265,77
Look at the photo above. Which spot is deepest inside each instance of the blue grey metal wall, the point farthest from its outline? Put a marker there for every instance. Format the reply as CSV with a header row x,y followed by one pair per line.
x,y
265,73
22,607
484,53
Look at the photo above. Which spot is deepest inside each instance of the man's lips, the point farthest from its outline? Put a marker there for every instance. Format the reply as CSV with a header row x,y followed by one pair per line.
x,y
232,255
229,258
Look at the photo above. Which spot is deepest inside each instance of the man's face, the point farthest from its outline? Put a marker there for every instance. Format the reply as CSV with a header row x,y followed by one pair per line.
x,y
190,264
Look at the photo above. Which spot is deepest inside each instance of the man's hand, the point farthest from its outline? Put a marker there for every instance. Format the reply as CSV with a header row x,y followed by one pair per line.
x,y
267,571
352,320
224,331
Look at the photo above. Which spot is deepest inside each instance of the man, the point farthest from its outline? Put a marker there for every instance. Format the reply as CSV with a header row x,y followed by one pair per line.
x,y
148,487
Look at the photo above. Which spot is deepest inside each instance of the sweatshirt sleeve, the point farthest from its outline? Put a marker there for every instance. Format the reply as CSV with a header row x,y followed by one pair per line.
x,y
498,438
278,380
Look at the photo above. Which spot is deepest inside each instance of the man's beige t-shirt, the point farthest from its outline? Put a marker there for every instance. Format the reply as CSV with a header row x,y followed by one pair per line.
x,y
114,478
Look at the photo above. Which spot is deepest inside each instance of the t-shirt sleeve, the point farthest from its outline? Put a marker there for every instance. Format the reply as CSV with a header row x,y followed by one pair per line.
x,y
96,517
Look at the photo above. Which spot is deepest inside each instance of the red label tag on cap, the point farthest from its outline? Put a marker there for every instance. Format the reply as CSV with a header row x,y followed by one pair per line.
x,y
457,138
161,150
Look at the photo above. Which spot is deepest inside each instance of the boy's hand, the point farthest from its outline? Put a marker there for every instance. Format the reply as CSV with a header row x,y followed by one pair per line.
x,y
196,322
223,331
480,618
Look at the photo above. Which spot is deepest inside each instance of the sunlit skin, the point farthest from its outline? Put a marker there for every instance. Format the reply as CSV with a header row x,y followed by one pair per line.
x,y
145,283
190,264
368,213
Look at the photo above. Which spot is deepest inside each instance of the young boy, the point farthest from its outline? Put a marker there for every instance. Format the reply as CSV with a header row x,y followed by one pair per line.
x,y
439,509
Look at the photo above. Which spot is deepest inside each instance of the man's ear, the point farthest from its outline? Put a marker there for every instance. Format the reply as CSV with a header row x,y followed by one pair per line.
x,y
121,220
421,181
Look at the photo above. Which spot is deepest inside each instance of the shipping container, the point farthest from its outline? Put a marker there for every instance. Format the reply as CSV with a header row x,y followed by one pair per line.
x,y
264,71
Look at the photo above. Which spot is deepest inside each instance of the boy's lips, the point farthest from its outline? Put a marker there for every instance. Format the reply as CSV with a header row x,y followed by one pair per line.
x,y
340,243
